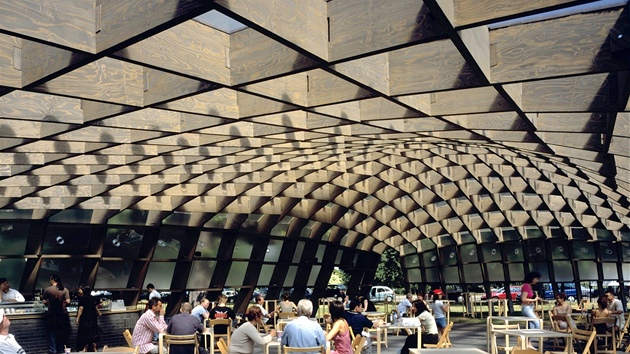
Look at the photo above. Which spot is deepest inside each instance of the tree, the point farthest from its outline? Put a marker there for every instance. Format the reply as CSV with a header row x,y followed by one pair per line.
x,y
389,272
338,276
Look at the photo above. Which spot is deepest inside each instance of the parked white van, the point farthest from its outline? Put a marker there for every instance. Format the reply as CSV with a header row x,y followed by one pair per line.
x,y
382,293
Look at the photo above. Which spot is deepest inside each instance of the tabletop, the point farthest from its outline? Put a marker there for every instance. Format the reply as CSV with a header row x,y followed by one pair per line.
x,y
447,351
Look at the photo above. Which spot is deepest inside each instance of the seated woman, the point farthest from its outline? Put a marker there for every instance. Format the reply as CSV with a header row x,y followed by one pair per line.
x,y
286,305
430,334
601,311
561,308
245,336
340,331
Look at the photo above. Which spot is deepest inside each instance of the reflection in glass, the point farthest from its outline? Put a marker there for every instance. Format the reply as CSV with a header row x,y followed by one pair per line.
x,y
414,275
517,272
536,249
448,255
181,218
273,250
67,239
472,273
469,253
123,242
514,251
68,269
129,217
12,269
587,270
563,271
608,252
208,244
297,256
625,269
201,274
160,274
430,258
306,230
290,279
314,273
491,252
13,237
451,275
432,275
609,270
113,274
81,216
411,261
243,248
583,250
264,279
236,274
218,221
559,249
281,227
169,243
542,268
495,272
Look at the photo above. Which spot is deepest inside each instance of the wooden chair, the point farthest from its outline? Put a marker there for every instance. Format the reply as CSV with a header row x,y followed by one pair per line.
x,y
608,322
357,344
223,348
555,327
506,347
135,350
187,339
223,322
379,317
320,349
623,332
128,338
524,351
580,335
445,341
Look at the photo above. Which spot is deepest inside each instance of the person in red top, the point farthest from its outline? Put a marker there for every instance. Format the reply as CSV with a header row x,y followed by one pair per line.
x,y
221,311
529,299
152,321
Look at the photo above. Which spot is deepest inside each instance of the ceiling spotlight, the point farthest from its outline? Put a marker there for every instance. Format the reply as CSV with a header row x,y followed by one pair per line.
x,y
161,243
116,242
60,240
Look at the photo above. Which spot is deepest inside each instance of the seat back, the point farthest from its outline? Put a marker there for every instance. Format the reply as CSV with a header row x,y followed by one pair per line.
x,y
223,322
584,338
187,339
127,335
445,341
223,348
525,351
320,349
286,315
357,344
136,349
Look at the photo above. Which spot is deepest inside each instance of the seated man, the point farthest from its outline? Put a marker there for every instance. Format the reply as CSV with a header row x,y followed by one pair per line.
x,y
181,324
152,321
302,332
221,311
201,311
404,306
8,294
357,321
8,344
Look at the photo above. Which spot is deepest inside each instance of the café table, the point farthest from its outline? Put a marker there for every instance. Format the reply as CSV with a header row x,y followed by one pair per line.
x,y
506,320
447,351
387,327
526,334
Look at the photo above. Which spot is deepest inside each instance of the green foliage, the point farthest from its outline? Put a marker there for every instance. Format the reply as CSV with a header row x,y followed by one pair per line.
x,y
389,272
338,276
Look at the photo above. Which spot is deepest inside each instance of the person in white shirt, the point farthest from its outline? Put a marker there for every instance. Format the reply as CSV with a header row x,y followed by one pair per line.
x,y
8,344
8,294
404,306
616,309
260,302
152,292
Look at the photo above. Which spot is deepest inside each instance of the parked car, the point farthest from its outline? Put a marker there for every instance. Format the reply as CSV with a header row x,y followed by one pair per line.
x,y
230,294
455,293
568,289
381,293
515,292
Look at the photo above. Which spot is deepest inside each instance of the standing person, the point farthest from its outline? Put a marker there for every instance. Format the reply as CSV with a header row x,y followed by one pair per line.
x,y
181,324
439,310
201,311
616,309
286,305
244,337
87,320
430,334
562,308
221,311
57,298
8,344
152,292
152,321
528,301
340,331
302,332
8,294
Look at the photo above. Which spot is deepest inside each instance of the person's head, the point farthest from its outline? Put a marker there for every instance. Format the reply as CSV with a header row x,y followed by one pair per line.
x,y
4,323
305,308
356,305
4,285
336,310
409,296
609,294
222,299
253,313
150,287
438,292
602,302
155,304
260,300
286,297
419,307
186,307
532,278
56,280
84,290
561,297
205,303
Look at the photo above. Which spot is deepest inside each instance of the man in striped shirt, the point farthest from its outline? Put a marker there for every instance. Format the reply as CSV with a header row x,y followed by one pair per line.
x,y
8,344
152,321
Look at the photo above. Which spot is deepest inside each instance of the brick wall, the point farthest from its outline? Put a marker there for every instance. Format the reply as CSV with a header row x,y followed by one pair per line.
x,y
32,335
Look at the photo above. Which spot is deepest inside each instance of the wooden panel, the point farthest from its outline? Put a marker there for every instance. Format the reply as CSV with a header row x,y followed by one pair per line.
x,y
40,60
250,105
380,108
123,19
472,11
105,79
363,26
69,23
567,45
10,61
190,48
490,121
483,99
254,56
219,103
581,93
302,22
437,65
160,86
290,88
40,107
29,129
573,122
372,71
477,41
325,88
622,125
